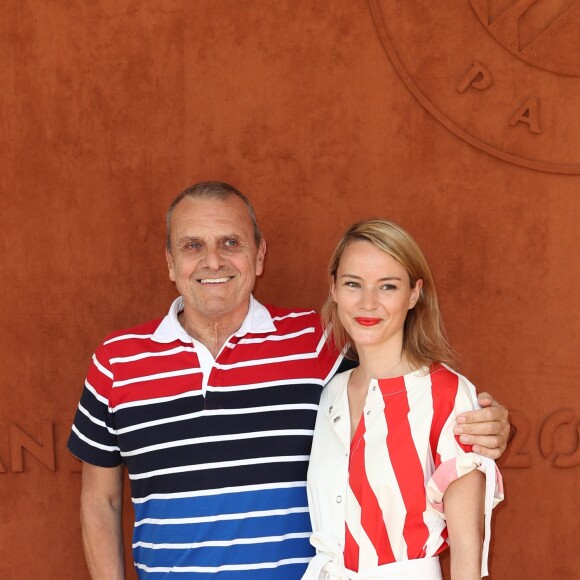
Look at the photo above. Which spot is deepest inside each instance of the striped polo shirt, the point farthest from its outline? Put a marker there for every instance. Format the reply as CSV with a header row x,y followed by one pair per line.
x,y
216,450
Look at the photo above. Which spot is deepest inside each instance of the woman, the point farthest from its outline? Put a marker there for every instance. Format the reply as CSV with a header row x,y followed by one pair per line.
x,y
384,459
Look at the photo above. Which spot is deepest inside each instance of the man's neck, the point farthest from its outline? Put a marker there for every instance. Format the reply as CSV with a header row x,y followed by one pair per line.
x,y
211,333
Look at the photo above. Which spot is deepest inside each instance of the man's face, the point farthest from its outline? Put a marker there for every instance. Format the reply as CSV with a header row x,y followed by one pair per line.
x,y
213,259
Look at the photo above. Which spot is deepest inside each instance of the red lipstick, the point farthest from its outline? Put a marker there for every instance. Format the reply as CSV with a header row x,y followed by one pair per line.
x,y
363,321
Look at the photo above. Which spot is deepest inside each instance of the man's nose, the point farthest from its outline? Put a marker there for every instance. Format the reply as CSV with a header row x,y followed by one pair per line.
x,y
212,258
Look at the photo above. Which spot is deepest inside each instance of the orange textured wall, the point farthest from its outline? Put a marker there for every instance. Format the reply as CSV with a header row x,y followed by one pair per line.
x,y
457,119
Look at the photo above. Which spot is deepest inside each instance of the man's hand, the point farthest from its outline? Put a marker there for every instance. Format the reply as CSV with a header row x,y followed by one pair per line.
x,y
487,429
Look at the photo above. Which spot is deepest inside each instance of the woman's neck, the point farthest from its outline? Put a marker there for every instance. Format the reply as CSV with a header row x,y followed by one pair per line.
x,y
381,363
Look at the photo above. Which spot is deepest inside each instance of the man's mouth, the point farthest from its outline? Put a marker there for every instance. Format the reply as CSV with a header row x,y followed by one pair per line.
x,y
215,280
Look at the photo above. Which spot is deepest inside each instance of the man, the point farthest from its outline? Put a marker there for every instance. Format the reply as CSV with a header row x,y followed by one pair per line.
x,y
211,409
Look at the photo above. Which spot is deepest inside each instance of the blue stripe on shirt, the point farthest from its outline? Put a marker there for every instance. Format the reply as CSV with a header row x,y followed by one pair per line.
x,y
218,504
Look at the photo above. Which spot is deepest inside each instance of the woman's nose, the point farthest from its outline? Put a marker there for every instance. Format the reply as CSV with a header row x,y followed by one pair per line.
x,y
368,300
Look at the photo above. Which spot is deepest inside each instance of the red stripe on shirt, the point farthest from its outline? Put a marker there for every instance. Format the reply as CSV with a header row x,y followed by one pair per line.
x,y
406,464
441,382
350,550
372,520
444,387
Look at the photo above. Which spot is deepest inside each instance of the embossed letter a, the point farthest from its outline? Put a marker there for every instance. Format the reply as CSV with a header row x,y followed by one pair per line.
x,y
528,113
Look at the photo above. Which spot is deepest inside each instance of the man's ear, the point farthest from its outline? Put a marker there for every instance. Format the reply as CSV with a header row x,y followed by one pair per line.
x,y
170,265
260,257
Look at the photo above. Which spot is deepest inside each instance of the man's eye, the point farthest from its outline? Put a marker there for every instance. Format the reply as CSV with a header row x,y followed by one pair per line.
x,y
231,243
193,246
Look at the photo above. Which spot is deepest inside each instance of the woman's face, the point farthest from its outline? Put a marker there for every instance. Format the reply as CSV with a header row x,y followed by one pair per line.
x,y
373,294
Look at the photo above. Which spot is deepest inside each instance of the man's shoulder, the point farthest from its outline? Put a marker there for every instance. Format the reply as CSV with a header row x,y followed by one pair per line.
x,y
292,316
281,312
143,331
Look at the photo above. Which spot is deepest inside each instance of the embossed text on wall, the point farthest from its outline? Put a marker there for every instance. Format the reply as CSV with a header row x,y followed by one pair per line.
x,y
504,77
34,442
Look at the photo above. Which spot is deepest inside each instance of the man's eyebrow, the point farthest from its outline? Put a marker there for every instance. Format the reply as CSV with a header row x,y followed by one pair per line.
x,y
185,239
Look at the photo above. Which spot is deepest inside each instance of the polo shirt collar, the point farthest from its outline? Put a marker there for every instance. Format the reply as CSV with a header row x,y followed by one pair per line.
x,y
257,321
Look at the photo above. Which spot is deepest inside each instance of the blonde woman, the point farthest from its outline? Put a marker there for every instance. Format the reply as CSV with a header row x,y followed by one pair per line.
x,y
389,485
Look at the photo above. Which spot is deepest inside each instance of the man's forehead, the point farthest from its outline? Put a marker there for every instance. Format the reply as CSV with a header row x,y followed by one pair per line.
x,y
229,214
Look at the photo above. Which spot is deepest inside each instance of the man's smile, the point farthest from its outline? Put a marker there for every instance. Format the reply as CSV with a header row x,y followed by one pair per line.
x,y
214,280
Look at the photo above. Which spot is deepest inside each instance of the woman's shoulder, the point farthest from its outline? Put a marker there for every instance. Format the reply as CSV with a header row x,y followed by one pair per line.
x,y
337,385
444,379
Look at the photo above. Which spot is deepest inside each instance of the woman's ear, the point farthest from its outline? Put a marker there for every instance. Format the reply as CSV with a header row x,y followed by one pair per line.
x,y
333,288
415,293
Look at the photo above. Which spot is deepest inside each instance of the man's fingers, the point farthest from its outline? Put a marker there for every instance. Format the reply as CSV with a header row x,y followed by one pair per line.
x,y
481,416
483,427
485,399
486,429
482,440
491,446
494,453
496,412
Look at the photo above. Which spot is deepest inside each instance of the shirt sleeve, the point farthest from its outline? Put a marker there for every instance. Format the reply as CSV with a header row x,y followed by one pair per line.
x,y
453,459
93,436
328,357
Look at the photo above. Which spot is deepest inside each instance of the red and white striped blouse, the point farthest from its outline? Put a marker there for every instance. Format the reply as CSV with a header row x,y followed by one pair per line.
x,y
380,496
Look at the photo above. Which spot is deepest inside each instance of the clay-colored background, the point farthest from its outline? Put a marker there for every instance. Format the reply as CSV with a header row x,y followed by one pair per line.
x,y
108,109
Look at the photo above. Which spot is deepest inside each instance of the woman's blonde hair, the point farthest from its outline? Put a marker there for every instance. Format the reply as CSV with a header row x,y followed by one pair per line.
x,y
424,339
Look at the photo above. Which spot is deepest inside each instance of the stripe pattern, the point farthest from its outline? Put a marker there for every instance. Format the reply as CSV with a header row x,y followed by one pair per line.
x,y
371,491
217,481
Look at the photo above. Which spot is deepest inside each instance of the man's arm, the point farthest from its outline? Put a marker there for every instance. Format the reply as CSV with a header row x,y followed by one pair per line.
x,y
463,502
487,429
101,515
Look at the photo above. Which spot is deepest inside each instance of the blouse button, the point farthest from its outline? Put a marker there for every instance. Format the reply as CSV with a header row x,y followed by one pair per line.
x,y
336,419
338,498
368,412
375,388
330,409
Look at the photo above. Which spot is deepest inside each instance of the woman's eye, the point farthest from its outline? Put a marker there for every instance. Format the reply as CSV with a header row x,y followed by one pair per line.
x,y
351,284
388,287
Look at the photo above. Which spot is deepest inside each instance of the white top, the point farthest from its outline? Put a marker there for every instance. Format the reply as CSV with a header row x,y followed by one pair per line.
x,y
379,497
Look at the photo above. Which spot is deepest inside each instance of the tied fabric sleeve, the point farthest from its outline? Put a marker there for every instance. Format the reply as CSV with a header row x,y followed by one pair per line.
x,y
454,460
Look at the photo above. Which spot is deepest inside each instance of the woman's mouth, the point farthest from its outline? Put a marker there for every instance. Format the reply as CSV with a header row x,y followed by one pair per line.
x,y
363,321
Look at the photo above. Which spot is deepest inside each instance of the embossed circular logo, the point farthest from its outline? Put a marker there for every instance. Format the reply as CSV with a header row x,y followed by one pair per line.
x,y
503,75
